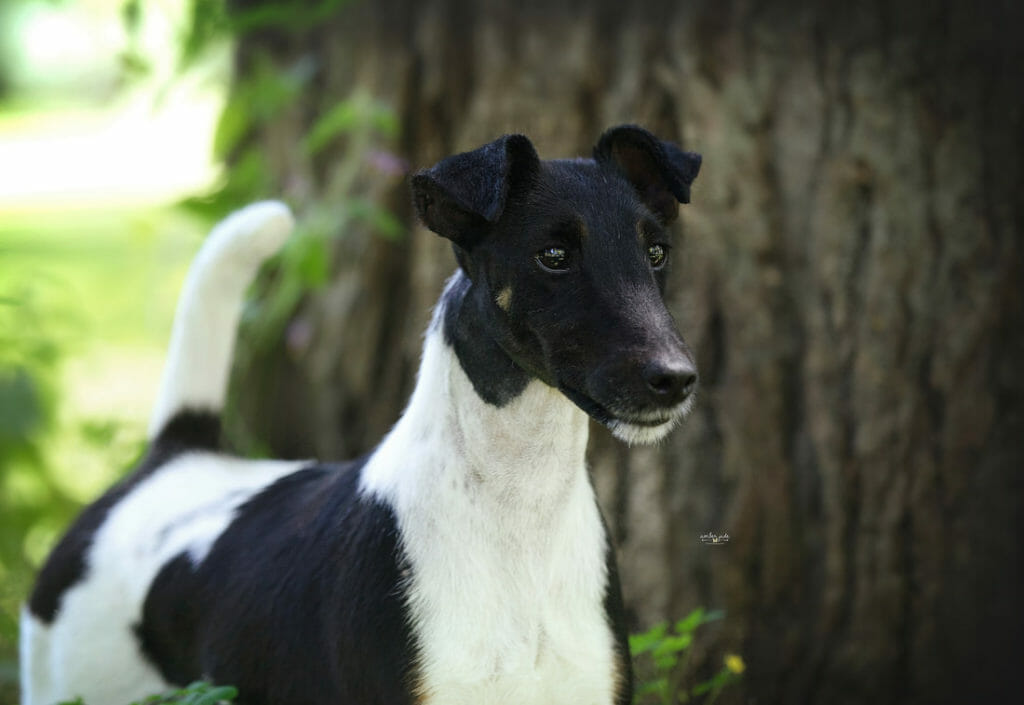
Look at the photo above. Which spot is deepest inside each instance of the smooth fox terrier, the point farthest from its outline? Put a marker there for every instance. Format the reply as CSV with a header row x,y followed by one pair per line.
x,y
464,561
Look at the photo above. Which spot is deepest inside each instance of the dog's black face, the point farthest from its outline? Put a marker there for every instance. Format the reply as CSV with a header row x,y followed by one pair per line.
x,y
566,263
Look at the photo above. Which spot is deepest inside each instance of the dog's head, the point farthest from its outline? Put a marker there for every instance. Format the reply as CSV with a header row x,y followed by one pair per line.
x,y
566,263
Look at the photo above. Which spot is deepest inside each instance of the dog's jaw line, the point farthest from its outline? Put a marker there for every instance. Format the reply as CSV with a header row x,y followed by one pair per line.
x,y
636,434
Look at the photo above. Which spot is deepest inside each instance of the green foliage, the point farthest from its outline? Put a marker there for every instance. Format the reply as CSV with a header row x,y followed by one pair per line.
x,y
334,151
660,655
198,693
304,265
333,158
27,361
29,498
348,116
210,21
210,24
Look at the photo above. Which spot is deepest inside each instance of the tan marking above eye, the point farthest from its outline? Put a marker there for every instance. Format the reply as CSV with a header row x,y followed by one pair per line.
x,y
504,298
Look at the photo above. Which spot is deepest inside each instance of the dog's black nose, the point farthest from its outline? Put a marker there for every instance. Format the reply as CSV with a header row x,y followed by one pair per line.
x,y
670,382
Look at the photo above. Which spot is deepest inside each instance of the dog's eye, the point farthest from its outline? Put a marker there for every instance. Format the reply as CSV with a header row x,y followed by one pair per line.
x,y
657,254
554,259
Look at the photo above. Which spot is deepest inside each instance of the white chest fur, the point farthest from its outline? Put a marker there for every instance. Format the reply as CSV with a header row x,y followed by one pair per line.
x,y
504,540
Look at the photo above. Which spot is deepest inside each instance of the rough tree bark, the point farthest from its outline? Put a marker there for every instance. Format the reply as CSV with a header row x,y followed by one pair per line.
x,y
850,278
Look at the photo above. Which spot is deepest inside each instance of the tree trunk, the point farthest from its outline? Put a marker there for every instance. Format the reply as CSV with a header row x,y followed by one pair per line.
x,y
849,277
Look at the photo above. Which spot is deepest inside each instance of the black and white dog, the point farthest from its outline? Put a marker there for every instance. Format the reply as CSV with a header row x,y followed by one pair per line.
x,y
462,562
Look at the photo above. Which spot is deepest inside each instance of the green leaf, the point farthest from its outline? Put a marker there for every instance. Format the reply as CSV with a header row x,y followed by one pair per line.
x,y
702,688
673,645
690,622
384,120
21,406
259,98
212,696
232,125
246,181
355,113
716,682
665,662
207,24
306,258
646,641
131,14
383,221
282,14
713,616
657,686
343,117
134,64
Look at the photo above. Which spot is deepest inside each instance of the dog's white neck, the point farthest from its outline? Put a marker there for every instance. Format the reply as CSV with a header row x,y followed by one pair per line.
x,y
502,533
524,455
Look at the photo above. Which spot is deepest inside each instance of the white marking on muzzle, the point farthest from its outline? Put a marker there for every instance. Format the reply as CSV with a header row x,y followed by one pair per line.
x,y
637,434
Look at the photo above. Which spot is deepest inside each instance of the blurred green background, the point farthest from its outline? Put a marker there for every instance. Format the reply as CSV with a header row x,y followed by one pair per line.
x,y
105,125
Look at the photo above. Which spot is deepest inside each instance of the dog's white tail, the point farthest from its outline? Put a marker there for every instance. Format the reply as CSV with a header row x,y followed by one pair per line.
x,y
202,344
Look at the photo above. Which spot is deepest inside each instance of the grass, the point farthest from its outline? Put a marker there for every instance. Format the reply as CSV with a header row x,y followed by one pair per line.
x,y
109,275
100,287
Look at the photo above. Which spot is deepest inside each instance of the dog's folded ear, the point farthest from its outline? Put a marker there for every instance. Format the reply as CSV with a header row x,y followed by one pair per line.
x,y
660,172
462,195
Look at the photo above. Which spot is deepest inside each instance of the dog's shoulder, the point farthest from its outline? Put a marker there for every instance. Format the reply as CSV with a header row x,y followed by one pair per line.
x,y
309,567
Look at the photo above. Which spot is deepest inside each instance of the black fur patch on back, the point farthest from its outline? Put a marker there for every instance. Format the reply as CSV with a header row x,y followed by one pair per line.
x,y
495,377
300,600
66,566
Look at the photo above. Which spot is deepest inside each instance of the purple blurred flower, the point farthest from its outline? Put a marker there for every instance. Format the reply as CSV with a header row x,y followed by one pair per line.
x,y
387,163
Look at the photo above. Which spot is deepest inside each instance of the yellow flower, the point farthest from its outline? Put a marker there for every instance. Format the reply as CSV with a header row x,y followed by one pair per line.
x,y
734,662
